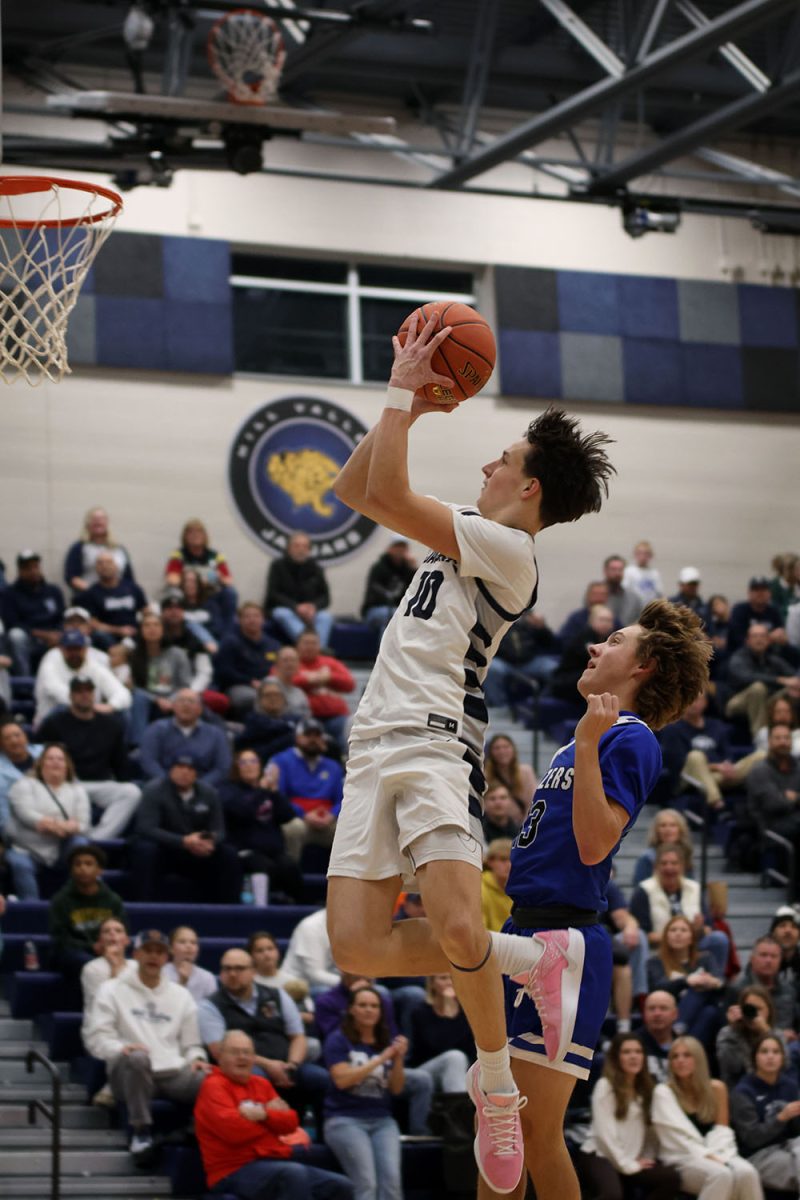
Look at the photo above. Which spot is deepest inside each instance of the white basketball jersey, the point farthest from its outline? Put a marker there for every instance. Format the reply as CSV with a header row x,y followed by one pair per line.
x,y
435,652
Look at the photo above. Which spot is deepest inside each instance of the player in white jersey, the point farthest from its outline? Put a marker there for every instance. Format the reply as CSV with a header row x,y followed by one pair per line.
x,y
414,784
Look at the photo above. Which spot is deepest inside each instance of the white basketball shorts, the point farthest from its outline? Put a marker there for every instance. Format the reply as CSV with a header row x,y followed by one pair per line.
x,y
406,803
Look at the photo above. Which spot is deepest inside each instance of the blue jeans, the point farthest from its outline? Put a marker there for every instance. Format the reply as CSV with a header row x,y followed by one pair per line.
x,y
336,727
405,1000
369,1152
293,626
539,668
23,867
139,715
282,1179
701,1016
380,615
26,650
637,961
718,947
419,1093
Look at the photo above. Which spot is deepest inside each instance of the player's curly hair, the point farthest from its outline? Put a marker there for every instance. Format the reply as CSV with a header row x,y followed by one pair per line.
x,y
675,640
573,468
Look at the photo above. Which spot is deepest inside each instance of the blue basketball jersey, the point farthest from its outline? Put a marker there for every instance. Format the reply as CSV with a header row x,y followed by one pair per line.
x,y
546,868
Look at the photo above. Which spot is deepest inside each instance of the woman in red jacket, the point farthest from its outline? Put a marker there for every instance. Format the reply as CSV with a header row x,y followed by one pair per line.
x,y
241,1124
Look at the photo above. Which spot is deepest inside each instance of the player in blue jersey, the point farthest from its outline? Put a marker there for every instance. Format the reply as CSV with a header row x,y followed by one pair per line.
x,y
638,680
413,792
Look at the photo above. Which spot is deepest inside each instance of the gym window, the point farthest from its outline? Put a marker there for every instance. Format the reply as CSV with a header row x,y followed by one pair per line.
x,y
328,319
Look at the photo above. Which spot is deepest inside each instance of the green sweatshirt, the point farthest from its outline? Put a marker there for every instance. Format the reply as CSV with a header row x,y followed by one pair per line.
x,y
76,918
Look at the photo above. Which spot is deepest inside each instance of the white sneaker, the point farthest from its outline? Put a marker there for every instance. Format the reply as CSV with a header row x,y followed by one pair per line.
x,y
141,1142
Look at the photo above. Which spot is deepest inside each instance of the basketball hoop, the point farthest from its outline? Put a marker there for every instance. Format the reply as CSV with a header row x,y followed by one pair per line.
x,y
50,232
246,53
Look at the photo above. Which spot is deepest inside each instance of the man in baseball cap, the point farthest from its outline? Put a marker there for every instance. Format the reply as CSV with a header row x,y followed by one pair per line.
x,y
757,609
785,928
32,613
74,656
181,831
144,1028
688,593
150,937
312,781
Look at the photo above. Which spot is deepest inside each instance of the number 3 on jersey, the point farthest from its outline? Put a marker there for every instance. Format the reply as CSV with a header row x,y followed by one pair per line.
x,y
530,826
423,603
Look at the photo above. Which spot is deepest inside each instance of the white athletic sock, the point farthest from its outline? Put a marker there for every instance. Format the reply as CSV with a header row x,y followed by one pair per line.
x,y
495,1072
515,954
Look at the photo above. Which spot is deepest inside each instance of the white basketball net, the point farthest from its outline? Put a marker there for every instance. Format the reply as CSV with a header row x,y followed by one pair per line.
x,y
246,53
48,241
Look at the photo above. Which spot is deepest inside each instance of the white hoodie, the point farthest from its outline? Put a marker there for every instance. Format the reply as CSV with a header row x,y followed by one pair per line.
x,y
53,679
163,1018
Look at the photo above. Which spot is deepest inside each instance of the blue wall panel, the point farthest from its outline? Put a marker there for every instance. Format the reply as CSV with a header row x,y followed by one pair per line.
x,y
157,303
692,343
531,363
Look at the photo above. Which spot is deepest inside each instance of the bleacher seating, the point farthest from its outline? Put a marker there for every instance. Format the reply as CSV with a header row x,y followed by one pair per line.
x,y
355,641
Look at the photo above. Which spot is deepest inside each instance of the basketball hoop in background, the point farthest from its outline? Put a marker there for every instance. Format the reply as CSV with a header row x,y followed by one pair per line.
x,y
50,232
246,53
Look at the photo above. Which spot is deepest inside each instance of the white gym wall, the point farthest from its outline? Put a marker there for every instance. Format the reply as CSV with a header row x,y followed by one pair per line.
x,y
713,490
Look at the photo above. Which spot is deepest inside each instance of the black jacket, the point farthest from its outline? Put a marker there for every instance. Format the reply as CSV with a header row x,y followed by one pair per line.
x,y
163,816
386,583
97,746
290,583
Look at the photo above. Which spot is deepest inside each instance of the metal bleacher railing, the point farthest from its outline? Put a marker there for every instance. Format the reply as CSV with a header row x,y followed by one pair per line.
x,y
52,1113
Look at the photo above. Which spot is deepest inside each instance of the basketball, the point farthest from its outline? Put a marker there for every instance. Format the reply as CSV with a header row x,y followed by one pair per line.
x,y
467,355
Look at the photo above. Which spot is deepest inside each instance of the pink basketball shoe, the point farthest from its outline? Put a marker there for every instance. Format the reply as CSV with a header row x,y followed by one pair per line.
x,y
499,1151
553,985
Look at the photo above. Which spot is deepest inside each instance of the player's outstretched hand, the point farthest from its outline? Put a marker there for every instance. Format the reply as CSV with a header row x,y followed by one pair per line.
x,y
601,713
412,367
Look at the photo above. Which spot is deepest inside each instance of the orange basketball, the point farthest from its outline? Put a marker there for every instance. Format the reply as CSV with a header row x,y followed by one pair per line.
x,y
466,356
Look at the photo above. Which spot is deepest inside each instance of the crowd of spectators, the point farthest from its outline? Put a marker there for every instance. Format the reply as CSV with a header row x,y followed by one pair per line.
x,y
211,735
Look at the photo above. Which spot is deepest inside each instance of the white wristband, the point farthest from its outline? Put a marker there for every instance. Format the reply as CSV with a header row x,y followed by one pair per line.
x,y
400,398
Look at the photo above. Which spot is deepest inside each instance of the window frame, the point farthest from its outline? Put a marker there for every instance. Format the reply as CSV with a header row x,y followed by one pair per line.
x,y
353,292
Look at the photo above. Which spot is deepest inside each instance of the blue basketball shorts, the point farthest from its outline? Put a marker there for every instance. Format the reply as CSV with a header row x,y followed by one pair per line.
x,y
593,991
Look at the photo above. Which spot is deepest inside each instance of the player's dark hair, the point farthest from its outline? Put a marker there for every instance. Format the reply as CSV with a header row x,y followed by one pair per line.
x,y
349,1028
572,467
643,1084
674,640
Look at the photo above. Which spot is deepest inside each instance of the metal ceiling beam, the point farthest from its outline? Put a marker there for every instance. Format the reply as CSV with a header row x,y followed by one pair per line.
x,y
732,54
730,116
585,37
328,41
648,29
477,77
751,172
746,16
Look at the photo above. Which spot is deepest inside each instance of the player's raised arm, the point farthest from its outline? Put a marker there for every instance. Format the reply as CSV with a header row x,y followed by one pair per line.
x,y
374,480
597,821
